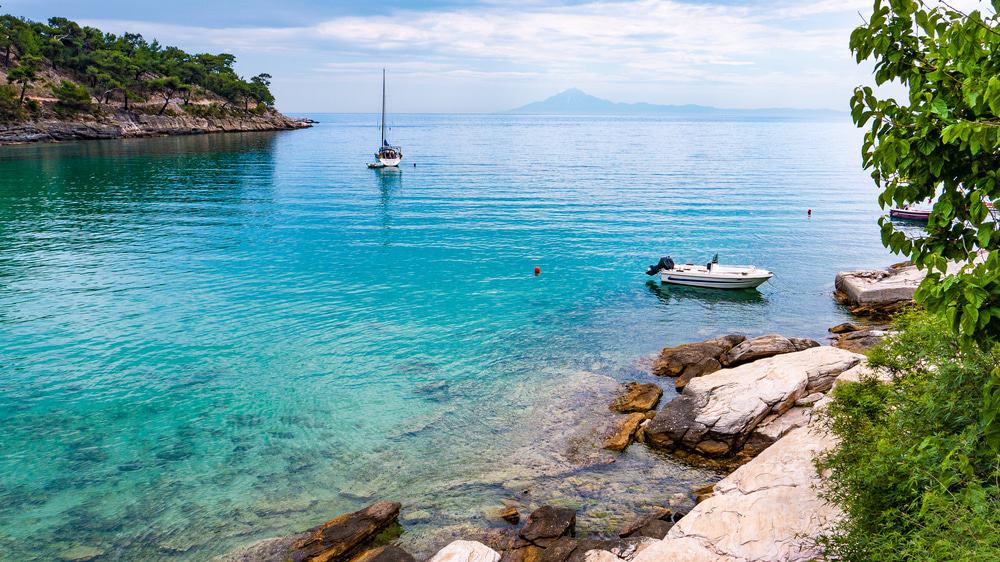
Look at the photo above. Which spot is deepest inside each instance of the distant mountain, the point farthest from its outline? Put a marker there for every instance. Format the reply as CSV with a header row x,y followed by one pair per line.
x,y
578,102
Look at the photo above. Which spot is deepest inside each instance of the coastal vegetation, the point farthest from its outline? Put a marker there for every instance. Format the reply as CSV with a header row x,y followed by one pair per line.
x,y
940,143
65,68
918,466
913,470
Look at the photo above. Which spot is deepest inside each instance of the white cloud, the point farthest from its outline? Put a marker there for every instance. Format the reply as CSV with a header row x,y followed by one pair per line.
x,y
758,50
646,35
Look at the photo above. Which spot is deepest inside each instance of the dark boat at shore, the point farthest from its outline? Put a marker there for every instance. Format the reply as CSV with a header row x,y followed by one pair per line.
x,y
910,214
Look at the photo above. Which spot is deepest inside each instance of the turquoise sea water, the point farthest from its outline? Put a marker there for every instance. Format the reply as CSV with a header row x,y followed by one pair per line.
x,y
210,340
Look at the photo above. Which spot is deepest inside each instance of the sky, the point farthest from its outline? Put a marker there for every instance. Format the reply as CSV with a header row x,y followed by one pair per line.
x,y
445,56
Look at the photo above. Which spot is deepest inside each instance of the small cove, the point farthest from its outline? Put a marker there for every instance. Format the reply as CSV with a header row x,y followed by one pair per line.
x,y
210,340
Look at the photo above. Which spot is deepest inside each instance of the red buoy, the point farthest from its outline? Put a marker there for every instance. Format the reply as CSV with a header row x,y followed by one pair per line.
x,y
538,270
809,212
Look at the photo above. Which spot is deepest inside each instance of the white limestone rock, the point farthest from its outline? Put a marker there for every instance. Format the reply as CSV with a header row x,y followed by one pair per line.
x,y
768,509
717,412
466,551
879,286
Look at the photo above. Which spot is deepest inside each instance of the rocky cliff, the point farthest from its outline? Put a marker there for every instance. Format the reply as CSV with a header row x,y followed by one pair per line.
x,y
124,124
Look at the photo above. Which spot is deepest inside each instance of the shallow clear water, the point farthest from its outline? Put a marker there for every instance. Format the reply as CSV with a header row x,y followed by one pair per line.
x,y
210,340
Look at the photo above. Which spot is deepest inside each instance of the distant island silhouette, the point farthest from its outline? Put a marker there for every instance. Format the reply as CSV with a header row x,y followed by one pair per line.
x,y
577,102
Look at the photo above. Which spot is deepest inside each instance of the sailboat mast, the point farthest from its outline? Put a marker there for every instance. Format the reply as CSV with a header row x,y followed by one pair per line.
x,y
383,109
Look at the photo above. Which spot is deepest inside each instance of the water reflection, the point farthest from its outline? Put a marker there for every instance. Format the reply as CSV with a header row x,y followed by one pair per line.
x,y
63,196
389,182
161,146
675,294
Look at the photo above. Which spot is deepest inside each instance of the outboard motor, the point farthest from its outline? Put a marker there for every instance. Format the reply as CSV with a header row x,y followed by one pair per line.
x,y
665,264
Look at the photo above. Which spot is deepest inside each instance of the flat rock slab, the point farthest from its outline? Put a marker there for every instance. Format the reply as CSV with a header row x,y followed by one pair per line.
x,y
636,397
466,551
717,412
768,509
879,286
863,372
341,536
776,426
763,347
547,523
691,360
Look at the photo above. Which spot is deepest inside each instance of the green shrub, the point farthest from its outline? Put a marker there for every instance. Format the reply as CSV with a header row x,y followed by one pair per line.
x,y
9,110
913,471
212,110
72,98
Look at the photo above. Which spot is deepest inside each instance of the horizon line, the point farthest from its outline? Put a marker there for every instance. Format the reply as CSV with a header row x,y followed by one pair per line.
x,y
514,112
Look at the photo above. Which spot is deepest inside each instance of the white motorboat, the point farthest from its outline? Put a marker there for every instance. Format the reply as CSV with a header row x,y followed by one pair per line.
x,y
388,156
711,275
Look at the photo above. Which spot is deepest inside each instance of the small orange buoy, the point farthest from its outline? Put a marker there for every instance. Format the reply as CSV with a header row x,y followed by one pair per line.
x,y
538,270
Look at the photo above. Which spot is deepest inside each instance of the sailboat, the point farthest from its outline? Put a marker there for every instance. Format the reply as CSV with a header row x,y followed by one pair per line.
x,y
388,156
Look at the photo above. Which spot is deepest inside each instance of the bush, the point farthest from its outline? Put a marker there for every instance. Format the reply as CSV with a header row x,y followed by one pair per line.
x,y
211,110
72,98
913,471
9,111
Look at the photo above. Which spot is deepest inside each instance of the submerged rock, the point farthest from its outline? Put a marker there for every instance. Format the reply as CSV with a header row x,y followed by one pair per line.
x,y
509,514
692,360
416,516
637,397
547,523
466,551
267,550
343,535
621,436
763,347
387,553
81,553
717,413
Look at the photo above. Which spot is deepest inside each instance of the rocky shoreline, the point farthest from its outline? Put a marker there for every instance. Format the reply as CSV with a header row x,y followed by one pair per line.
x,y
748,405
127,124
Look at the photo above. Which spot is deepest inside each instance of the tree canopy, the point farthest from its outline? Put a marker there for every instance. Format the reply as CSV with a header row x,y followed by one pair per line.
x,y
941,143
123,67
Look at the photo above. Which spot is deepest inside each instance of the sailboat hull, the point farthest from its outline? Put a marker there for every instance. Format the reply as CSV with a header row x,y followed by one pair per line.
x,y
379,165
